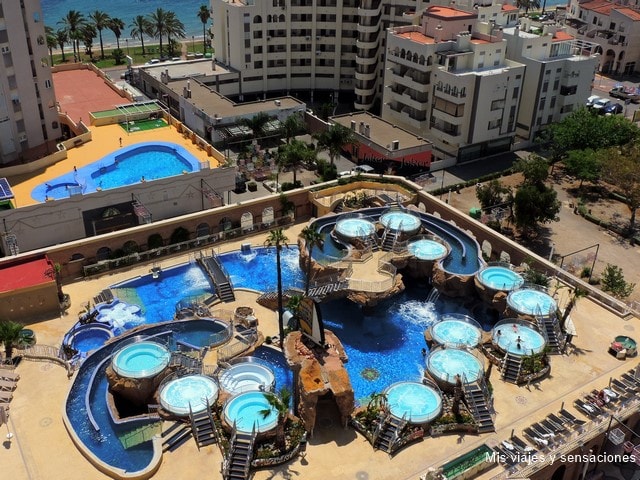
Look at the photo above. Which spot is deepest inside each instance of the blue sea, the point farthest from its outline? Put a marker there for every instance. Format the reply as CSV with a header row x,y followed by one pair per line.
x,y
186,10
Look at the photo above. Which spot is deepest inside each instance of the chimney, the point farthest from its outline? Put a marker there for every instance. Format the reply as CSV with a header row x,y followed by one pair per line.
x,y
361,130
437,36
367,130
395,144
353,125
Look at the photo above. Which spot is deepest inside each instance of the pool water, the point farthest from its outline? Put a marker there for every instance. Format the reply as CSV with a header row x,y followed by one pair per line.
x,y
188,394
530,340
331,250
500,278
141,360
427,249
119,315
246,409
89,339
277,364
456,332
531,302
257,271
355,227
122,167
404,222
413,401
447,363
246,376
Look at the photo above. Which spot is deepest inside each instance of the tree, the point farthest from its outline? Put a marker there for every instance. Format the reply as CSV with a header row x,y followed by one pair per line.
x,y
62,37
140,27
256,123
280,403
613,281
493,193
52,42
73,21
118,55
294,304
576,295
158,21
457,398
278,239
312,239
585,165
100,22
291,126
334,139
294,155
621,168
116,25
87,34
9,336
204,15
534,169
535,204
528,4
174,28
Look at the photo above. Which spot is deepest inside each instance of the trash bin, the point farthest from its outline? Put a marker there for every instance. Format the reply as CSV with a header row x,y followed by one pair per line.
x,y
475,212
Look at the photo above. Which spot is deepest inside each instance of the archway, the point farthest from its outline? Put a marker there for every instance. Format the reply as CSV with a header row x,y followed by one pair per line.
x,y
103,253
202,230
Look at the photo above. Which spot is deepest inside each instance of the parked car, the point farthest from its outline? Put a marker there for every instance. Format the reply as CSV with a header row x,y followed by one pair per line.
x,y
600,104
591,100
622,94
613,109
357,169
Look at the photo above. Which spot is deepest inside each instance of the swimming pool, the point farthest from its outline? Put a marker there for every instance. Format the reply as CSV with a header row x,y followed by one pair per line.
x,y
425,249
141,360
354,228
513,333
460,330
245,411
529,301
192,393
126,166
277,364
405,222
119,315
445,364
245,376
500,278
87,338
413,401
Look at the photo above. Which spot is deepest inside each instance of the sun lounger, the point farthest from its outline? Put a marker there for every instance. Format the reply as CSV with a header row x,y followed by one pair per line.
x,y
4,405
542,429
7,374
570,417
6,396
510,458
557,420
7,385
623,387
553,427
630,379
521,445
536,438
587,408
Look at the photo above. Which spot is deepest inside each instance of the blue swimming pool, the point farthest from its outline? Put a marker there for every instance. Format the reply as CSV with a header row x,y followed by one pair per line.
x,y
530,301
141,360
126,166
192,393
402,221
245,411
518,338
278,365
500,278
414,401
354,227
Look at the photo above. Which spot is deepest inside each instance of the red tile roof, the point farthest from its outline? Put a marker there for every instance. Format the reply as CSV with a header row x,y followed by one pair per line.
x,y
509,8
417,37
25,274
562,36
449,13
630,13
602,7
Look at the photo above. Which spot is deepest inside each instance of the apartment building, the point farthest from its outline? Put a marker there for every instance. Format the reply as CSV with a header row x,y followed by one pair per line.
x,y
449,80
28,114
614,27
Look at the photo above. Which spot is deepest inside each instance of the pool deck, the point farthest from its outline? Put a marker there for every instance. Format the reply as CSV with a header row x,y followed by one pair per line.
x,y
35,415
105,140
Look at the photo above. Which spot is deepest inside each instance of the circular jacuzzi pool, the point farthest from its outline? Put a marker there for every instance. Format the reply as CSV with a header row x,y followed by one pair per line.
x,y
500,278
245,410
518,339
404,222
87,338
445,364
413,401
456,330
141,360
425,249
191,393
246,376
530,301
355,228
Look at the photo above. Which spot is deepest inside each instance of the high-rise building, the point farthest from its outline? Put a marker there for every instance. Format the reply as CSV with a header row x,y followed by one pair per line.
x,y
28,115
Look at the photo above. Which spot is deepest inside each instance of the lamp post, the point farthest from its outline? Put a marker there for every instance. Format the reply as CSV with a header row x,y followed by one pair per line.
x,y
126,40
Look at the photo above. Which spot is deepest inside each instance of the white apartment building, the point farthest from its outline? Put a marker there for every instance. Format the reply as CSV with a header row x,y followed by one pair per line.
x,y
450,81
560,72
28,114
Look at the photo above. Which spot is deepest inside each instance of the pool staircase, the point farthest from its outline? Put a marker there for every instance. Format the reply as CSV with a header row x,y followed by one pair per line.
x,y
237,464
477,397
176,435
339,207
510,368
203,427
105,296
140,209
388,433
185,362
372,242
12,244
389,239
549,328
218,276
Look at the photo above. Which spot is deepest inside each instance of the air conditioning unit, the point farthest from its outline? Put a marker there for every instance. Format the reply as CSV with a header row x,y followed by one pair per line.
x,y
5,49
308,38
317,38
22,137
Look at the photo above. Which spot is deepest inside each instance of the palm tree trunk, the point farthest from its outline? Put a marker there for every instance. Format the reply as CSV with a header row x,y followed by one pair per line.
x,y
101,45
204,37
280,325
308,279
142,43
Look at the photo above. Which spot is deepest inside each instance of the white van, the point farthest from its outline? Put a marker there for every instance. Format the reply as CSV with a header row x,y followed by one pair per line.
x,y
364,169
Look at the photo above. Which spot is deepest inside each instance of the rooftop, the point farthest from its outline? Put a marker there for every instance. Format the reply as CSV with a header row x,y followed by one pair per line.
x,y
602,7
26,273
449,13
416,36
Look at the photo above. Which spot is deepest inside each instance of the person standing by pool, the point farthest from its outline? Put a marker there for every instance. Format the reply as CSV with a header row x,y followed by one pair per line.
x,y
120,139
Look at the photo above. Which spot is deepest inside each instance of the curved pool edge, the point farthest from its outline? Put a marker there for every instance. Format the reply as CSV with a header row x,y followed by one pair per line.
x,y
118,473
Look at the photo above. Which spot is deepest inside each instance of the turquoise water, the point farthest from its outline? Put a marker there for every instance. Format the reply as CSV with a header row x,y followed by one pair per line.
x,y
414,401
500,278
246,410
89,339
246,376
400,221
427,249
141,360
455,331
190,393
530,340
355,227
532,302
447,363
126,166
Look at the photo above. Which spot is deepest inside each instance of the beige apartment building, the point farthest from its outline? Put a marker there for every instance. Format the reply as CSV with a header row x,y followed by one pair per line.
x,y
29,122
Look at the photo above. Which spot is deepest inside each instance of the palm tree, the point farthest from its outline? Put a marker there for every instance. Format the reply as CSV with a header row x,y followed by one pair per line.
x,y
73,22
280,403
158,21
576,295
175,28
294,304
62,37
295,154
312,238
52,41
87,33
278,239
256,123
457,397
9,336
116,25
291,126
100,22
204,15
334,139
528,4
140,27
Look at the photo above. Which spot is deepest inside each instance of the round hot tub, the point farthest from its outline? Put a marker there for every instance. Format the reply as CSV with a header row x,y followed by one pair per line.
x,y
517,338
500,278
87,338
141,360
456,329
529,301
246,376
425,249
401,221
245,410
191,393
445,364
355,228
413,401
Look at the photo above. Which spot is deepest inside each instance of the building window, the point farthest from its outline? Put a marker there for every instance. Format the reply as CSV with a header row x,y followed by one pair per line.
x,y
516,93
545,87
495,124
257,64
497,104
552,104
568,90
47,84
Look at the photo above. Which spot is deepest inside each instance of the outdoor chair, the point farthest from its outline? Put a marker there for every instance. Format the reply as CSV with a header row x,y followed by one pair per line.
x,y
7,374
571,418
7,385
6,396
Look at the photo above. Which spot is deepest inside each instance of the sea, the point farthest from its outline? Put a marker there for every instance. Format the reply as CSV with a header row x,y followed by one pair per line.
x,y
186,10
